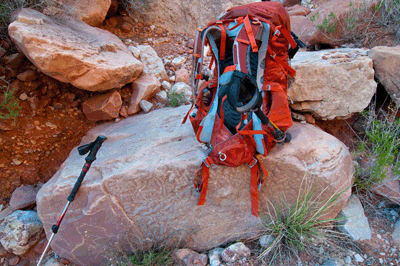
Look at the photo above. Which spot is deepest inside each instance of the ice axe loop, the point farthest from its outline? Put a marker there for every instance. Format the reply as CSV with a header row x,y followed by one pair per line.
x,y
92,148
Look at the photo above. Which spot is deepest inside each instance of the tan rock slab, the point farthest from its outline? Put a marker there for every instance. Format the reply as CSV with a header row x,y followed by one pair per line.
x,y
332,83
74,52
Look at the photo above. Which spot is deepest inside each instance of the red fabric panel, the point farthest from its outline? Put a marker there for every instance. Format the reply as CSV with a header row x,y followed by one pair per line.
x,y
271,11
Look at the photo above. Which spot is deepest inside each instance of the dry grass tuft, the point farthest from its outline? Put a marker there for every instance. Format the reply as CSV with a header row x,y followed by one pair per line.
x,y
297,228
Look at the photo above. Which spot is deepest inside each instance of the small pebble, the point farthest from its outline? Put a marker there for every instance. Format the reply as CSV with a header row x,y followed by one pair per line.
x,y
321,250
14,260
358,258
16,161
23,96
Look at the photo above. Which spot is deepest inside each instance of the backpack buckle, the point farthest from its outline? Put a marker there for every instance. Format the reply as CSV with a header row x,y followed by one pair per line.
x,y
252,163
207,163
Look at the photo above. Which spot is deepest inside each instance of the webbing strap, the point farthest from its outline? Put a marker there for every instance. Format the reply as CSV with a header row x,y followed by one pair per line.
x,y
198,133
251,132
187,115
286,68
242,41
239,22
223,43
280,29
250,34
255,183
222,112
254,189
247,131
230,68
212,61
205,175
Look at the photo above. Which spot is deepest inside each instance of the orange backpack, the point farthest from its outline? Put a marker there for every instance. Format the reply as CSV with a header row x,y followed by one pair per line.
x,y
242,108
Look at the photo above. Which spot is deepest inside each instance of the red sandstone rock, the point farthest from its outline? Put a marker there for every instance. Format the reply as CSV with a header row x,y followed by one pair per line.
x,y
23,197
182,75
102,107
143,88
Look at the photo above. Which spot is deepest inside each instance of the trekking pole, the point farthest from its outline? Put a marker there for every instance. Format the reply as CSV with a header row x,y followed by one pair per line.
x,y
92,148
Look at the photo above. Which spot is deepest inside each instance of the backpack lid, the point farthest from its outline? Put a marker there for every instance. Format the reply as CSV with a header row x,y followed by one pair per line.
x,y
274,12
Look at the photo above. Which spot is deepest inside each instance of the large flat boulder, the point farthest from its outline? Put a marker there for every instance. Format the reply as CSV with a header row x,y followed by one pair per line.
x,y
71,51
140,188
386,64
332,83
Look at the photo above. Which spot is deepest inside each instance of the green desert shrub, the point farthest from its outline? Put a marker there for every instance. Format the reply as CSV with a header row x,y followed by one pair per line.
x,y
9,104
378,150
160,257
176,99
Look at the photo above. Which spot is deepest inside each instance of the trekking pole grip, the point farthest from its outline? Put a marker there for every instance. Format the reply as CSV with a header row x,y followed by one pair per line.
x,y
78,183
92,148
